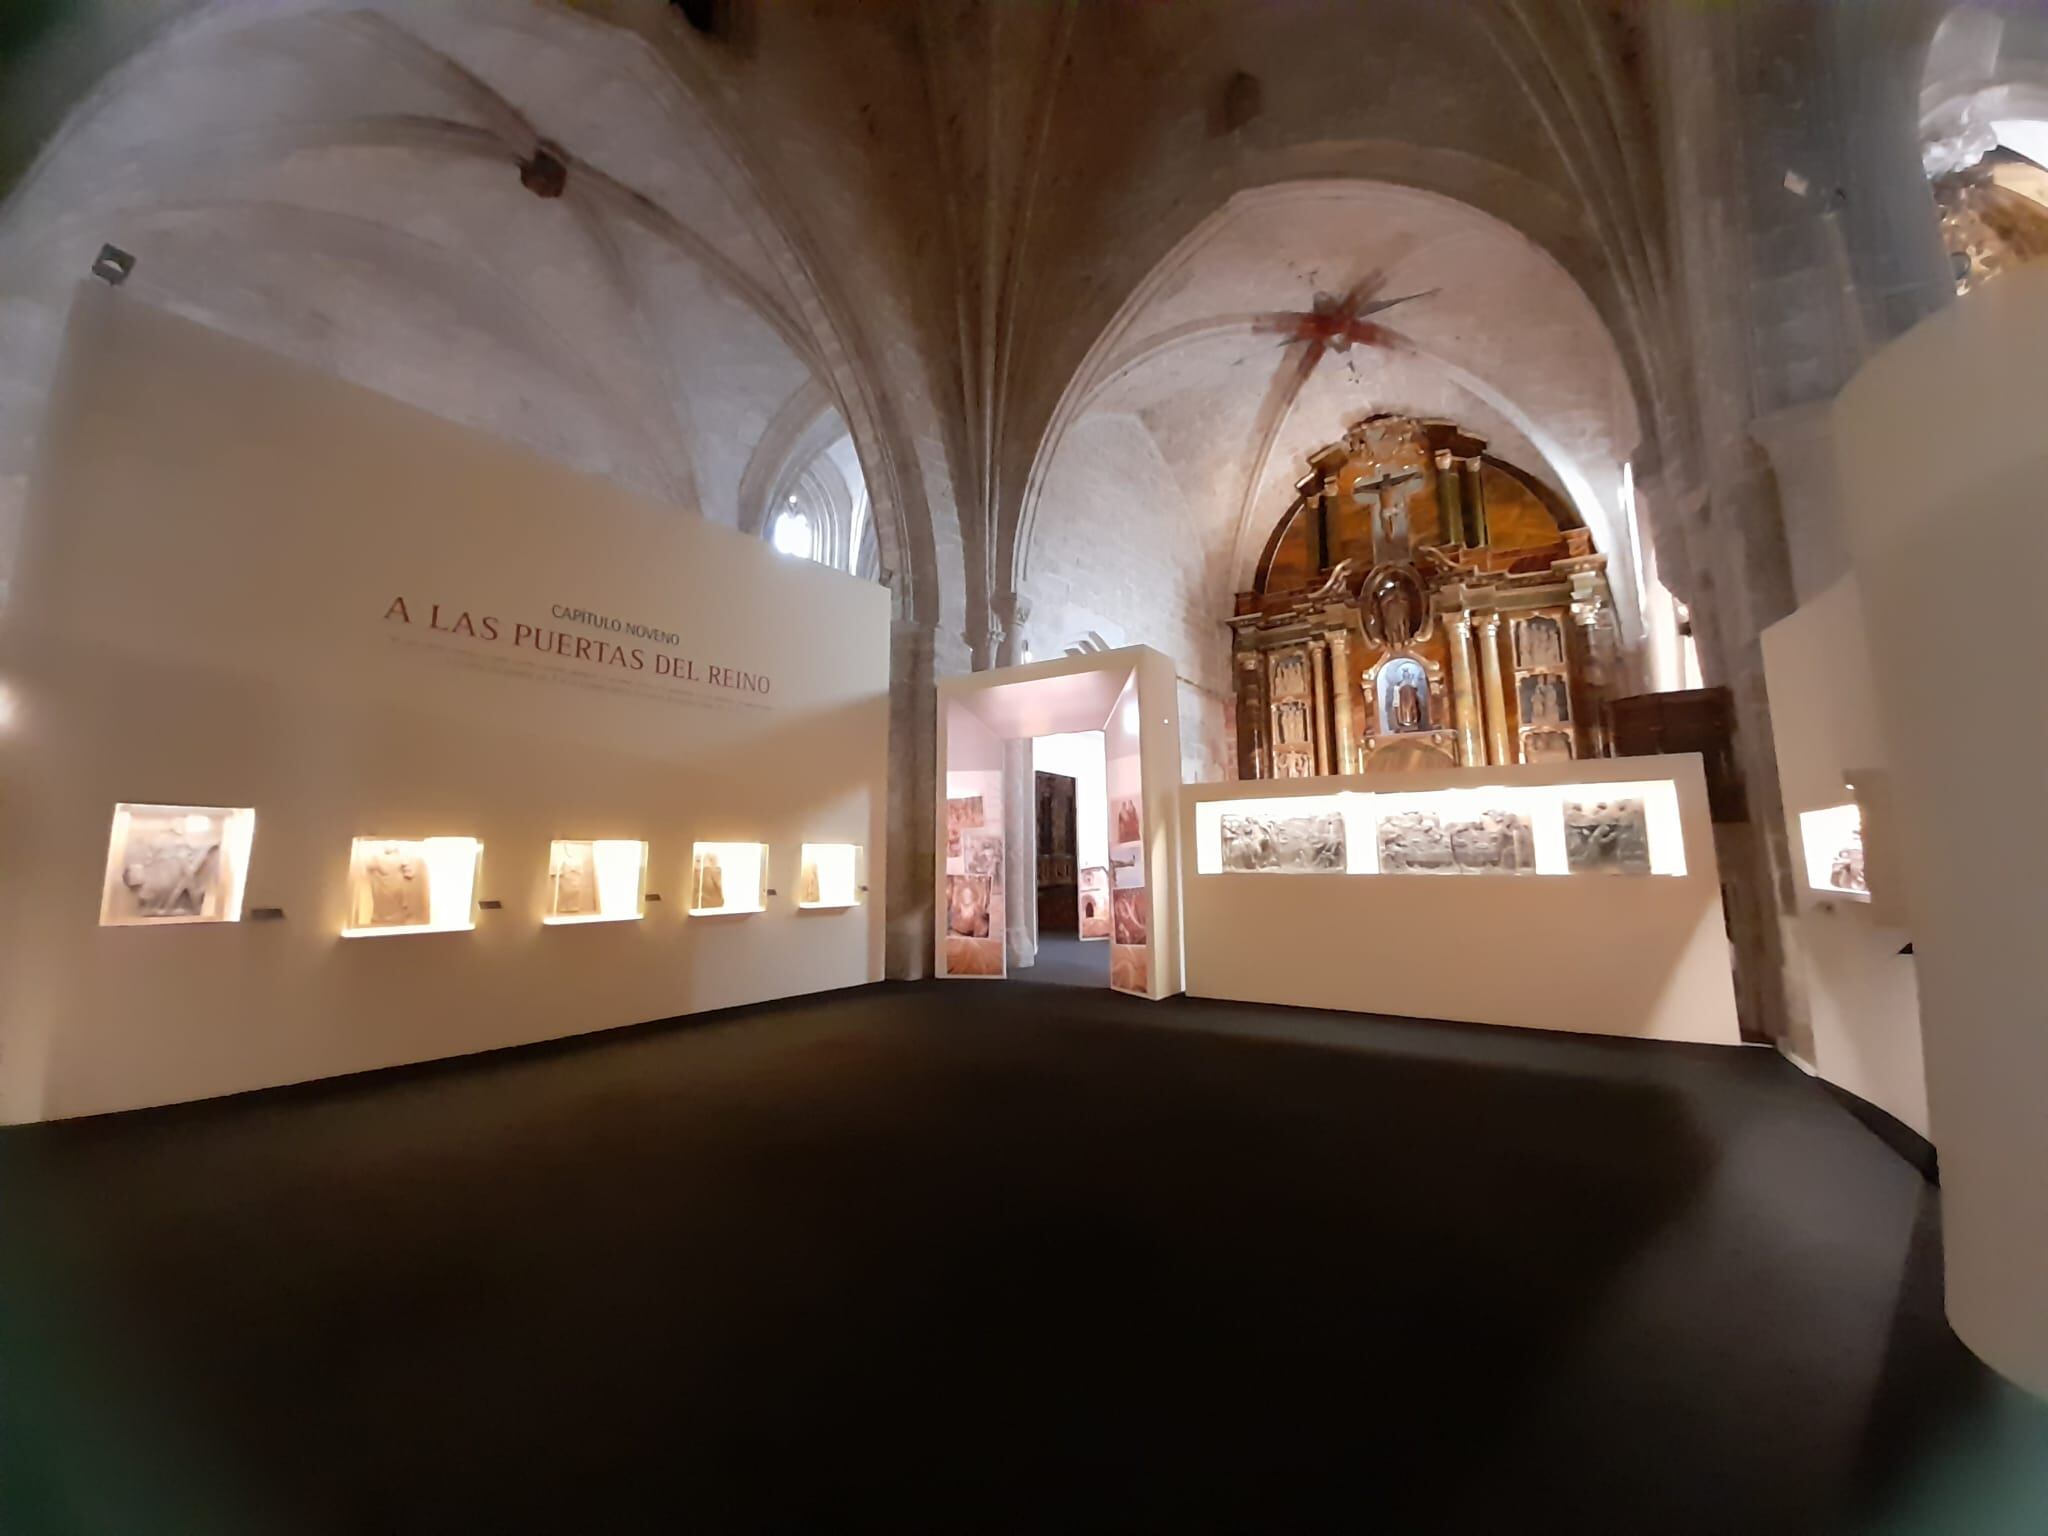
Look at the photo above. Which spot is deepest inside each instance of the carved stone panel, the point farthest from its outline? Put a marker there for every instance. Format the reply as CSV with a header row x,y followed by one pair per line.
x,y
1606,837
1284,844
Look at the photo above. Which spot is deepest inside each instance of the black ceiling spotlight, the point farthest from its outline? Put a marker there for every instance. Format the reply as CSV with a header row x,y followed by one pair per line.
x,y
112,265
544,173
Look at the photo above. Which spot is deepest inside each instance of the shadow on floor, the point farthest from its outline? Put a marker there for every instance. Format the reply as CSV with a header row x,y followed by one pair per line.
x,y
985,1257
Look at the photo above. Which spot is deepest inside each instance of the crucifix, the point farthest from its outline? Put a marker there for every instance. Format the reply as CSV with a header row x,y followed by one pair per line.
x,y
1390,495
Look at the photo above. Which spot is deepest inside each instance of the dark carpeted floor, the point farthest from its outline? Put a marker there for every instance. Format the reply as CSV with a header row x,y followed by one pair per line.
x,y
1000,1257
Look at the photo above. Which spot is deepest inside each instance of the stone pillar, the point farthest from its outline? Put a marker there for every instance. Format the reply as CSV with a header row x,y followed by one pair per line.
x,y
1464,691
1500,744
1319,696
1020,854
913,802
1340,688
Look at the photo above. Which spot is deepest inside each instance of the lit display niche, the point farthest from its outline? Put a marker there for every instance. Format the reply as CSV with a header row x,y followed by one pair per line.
x,y
829,876
1508,830
727,877
1833,839
597,880
411,885
176,864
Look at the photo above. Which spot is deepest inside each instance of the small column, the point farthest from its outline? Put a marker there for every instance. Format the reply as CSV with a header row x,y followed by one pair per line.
x,y
1319,693
1592,683
1473,471
1450,500
1499,745
1272,716
1465,691
1340,687
1251,714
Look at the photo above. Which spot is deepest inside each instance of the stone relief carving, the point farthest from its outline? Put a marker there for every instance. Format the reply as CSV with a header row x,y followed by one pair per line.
x,y
1415,843
710,881
171,865
1610,837
394,890
1290,844
1497,843
1290,723
574,879
1290,675
1547,747
1845,873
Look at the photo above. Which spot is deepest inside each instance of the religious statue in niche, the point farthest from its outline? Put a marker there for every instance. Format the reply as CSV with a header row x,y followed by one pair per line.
x,y
1539,642
1547,747
1544,701
1415,843
1403,696
1845,872
573,879
710,881
964,812
1095,903
967,906
981,855
1606,837
1295,844
1497,843
1133,912
1290,676
1290,723
171,865
392,890
1395,605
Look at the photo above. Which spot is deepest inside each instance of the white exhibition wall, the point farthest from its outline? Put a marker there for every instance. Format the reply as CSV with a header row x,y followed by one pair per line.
x,y
1862,994
246,585
1642,955
1943,462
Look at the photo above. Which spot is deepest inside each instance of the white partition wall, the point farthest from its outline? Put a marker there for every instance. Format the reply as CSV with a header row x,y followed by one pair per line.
x,y
1943,460
291,614
1861,990
1354,911
1126,694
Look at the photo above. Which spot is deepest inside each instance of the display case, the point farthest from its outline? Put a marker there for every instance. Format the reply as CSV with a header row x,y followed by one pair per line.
x,y
169,864
596,880
1623,828
411,885
830,877
1833,841
727,878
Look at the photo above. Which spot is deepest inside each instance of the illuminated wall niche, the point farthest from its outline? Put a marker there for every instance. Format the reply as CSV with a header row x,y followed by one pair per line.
x,y
829,876
727,877
169,864
1833,840
411,885
596,880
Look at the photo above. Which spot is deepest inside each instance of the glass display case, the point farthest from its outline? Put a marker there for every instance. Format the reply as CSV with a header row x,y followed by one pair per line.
x,y
411,885
597,880
171,864
727,877
829,876
1833,840
1618,829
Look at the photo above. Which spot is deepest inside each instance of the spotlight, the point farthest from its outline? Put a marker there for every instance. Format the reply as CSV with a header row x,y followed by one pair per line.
x,y
112,265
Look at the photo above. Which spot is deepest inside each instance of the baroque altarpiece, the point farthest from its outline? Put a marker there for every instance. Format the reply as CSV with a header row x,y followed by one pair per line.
x,y
1421,604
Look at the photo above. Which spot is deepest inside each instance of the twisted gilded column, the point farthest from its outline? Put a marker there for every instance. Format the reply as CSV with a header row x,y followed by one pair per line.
x,y
1499,747
1465,691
